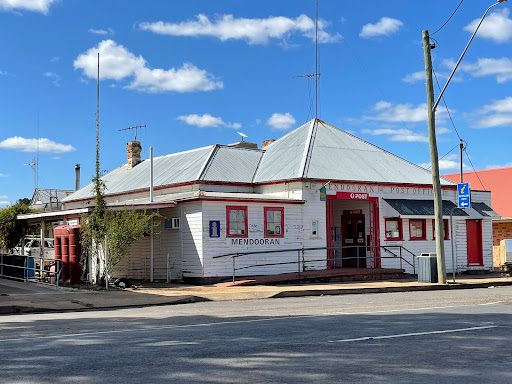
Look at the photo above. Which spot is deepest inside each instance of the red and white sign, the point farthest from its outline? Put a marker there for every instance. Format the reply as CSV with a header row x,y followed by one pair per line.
x,y
352,196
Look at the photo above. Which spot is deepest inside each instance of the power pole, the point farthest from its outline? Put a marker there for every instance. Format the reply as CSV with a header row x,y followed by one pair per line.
x,y
436,184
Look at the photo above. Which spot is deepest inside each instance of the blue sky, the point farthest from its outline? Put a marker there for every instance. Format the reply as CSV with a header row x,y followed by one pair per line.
x,y
197,72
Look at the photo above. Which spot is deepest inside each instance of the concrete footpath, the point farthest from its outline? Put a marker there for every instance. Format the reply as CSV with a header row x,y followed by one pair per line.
x,y
21,297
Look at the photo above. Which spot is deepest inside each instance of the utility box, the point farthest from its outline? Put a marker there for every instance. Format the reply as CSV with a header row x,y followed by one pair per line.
x,y
427,267
508,251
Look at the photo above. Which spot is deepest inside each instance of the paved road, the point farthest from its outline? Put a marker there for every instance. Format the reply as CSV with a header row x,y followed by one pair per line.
x,y
416,337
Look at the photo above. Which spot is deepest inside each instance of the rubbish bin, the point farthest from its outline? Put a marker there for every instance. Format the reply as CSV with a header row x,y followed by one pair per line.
x,y
427,268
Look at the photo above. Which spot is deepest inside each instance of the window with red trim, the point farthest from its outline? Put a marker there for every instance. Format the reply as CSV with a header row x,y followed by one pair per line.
x,y
236,219
274,221
417,229
393,229
446,230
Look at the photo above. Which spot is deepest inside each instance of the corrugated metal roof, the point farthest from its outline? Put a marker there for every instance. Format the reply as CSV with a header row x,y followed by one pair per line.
x,y
233,164
42,195
170,169
422,207
316,150
485,210
284,157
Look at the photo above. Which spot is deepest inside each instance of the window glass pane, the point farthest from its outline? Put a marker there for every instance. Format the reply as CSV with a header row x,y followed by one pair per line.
x,y
277,216
393,228
416,228
237,222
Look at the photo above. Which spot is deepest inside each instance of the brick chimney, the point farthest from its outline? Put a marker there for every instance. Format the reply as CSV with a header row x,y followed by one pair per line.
x,y
267,142
133,149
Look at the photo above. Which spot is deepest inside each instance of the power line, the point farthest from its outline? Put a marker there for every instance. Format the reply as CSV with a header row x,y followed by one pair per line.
x,y
446,22
446,154
446,106
375,84
476,173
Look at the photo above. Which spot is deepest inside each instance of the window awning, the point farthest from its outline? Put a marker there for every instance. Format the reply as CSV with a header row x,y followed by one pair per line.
x,y
423,207
485,210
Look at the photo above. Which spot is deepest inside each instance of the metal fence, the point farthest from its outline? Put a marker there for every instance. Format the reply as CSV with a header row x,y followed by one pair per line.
x,y
393,252
35,269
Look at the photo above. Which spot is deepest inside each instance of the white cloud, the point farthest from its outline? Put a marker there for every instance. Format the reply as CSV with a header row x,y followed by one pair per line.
x,y
117,63
500,106
399,135
407,113
493,166
498,114
4,175
54,59
448,163
254,31
101,31
54,77
188,78
496,120
501,68
31,145
3,196
281,121
414,77
4,202
207,120
497,26
42,6
386,26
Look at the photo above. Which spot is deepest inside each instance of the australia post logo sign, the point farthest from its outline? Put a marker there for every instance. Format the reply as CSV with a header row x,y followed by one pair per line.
x,y
352,196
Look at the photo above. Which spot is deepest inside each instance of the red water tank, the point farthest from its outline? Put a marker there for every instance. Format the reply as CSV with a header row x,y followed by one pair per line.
x,y
67,249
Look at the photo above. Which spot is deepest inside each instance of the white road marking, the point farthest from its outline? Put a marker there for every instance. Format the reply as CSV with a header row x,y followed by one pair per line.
x,y
228,322
413,334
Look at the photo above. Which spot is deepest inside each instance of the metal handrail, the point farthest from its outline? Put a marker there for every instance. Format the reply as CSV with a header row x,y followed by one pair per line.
x,y
300,252
27,269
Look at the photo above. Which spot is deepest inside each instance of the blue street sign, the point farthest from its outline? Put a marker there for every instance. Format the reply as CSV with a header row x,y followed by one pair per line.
x,y
463,195
463,189
464,202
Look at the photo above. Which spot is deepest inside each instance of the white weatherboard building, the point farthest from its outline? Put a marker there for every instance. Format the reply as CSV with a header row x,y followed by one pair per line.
x,y
318,186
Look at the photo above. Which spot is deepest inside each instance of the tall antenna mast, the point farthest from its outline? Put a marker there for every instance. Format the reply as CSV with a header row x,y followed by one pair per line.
x,y
316,62
33,165
315,75
136,128
98,124
36,170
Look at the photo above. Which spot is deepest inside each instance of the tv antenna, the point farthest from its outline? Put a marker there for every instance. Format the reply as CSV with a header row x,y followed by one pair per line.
x,y
316,75
33,165
136,128
243,135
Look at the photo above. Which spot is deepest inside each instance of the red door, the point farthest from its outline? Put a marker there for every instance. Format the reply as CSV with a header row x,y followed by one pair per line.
x,y
474,240
353,238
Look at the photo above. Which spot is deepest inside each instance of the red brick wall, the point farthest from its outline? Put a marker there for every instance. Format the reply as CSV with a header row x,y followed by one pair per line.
x,y
500,231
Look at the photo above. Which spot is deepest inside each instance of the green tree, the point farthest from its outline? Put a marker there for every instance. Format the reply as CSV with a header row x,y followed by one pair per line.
x,y
12,230
122,228
24,200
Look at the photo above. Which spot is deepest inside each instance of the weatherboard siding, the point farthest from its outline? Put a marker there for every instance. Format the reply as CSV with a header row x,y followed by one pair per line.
x,y
192,239
314,209
137,262
256,241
